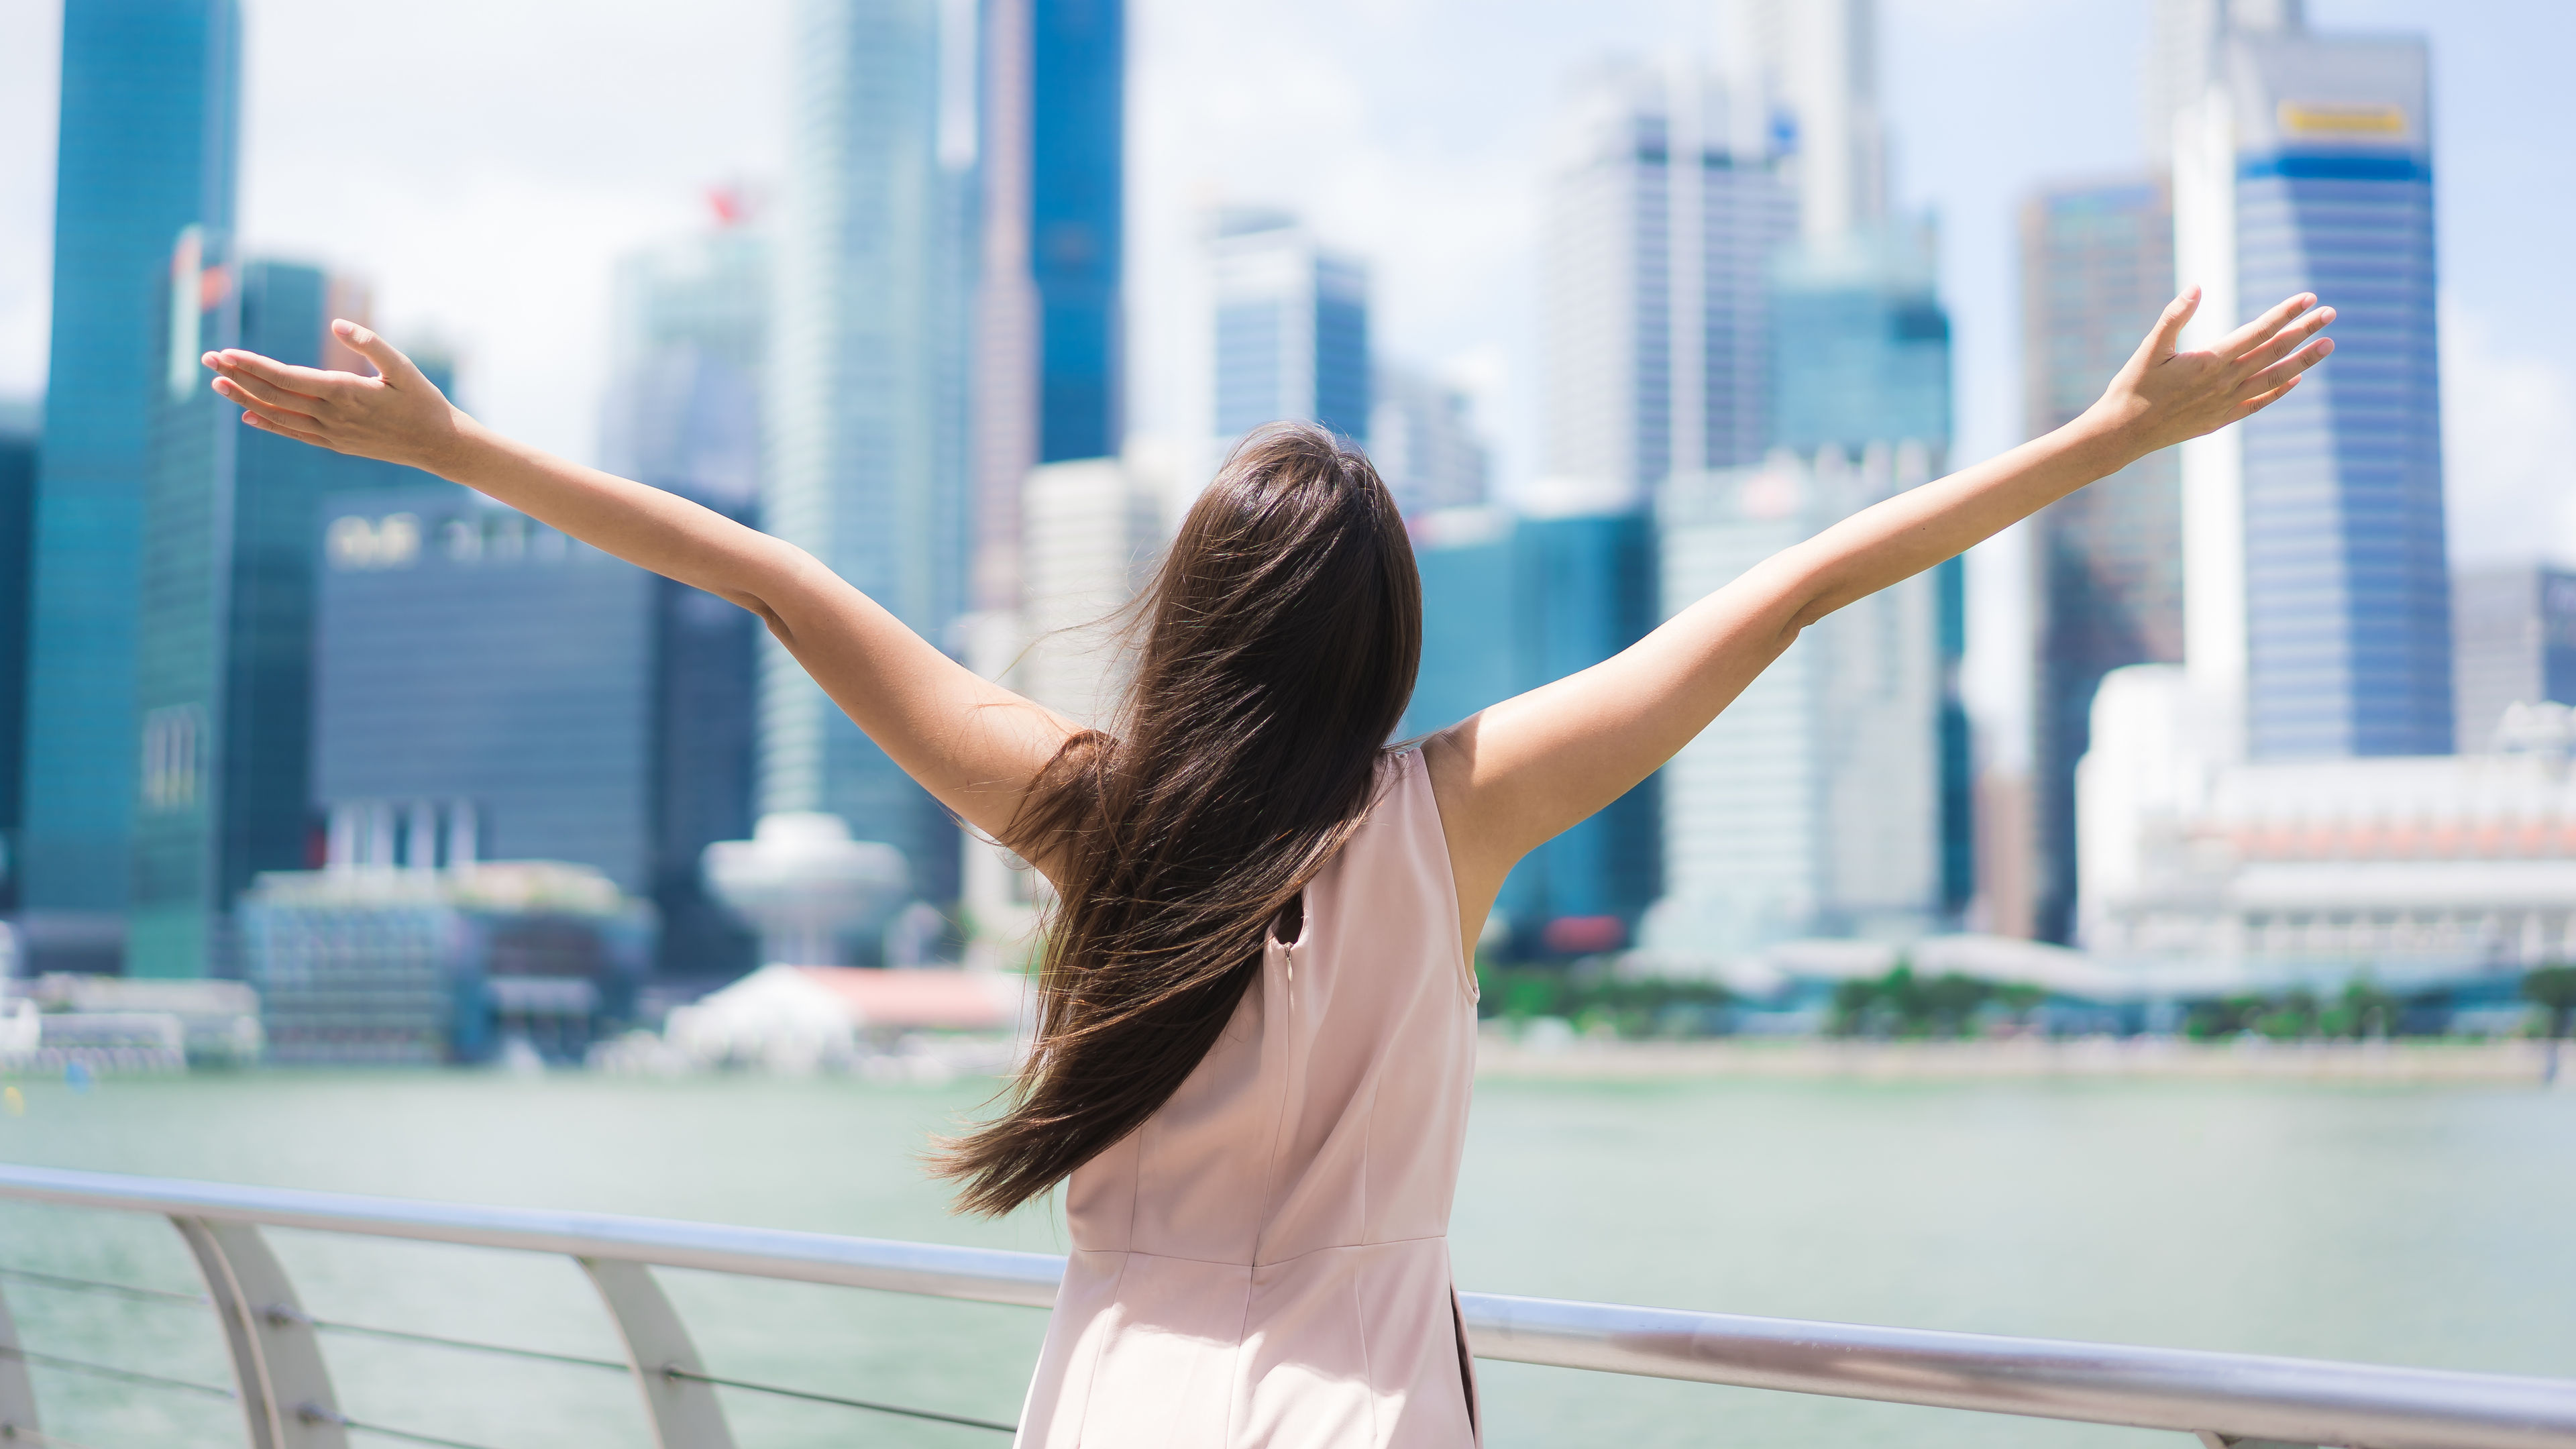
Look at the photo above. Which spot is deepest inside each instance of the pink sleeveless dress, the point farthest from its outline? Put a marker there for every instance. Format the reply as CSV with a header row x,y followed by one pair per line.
x,y
1265,1262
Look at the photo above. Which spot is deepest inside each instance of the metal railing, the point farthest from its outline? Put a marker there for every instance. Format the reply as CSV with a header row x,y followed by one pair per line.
x,y
285,1393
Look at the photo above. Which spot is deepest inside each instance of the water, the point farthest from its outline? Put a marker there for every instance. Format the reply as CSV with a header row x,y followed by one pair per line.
x,y
2415,1226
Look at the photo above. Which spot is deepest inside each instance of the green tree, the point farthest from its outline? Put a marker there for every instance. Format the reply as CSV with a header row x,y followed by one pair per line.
x,y
2553,988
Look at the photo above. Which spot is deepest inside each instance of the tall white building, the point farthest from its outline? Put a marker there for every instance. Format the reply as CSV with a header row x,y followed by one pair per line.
x,y
1807,71
1094,530
866,464
1662,213
2183,43
1810,807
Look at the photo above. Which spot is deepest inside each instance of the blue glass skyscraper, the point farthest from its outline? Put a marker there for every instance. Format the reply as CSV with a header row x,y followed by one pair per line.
x,y
1077,197
17,541
225,616
1292,338
150,105
447,730
1509,604
1860,345
2345,606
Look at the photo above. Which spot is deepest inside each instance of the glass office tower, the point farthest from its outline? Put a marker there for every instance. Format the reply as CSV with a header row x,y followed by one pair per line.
x,y
2097,269
1663,209
2347,584
1291,329
447,730
1860,356
866,458
1049,148
2319,594
1077,198
1812,805
18,442
225,614
150,105
1509,604
691,328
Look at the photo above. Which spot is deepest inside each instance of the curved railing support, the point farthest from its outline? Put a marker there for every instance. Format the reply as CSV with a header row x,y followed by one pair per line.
x,y
684,1410
277,1360
17,1393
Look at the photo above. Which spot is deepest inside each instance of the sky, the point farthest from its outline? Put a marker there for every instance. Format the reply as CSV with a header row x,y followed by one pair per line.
x,y
484,162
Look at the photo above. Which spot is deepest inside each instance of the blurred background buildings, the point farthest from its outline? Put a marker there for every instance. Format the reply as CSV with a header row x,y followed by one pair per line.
x,y
258,703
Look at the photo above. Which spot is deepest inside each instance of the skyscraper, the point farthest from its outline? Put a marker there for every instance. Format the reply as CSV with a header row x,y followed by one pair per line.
x,y
689,348
1860,350
2318,609
2097,268
1812,805
1808,70
2183,44
150,105
1077,224
1656,309
1048,350
1291,328
1512,603
18,442
688,362
225,613
866,465
1860,344
448,732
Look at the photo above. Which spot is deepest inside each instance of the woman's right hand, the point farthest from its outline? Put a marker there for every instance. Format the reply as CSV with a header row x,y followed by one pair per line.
x,y
398,416
2167,395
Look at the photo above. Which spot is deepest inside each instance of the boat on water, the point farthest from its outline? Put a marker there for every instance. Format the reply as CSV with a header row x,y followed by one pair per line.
x,y
282,1383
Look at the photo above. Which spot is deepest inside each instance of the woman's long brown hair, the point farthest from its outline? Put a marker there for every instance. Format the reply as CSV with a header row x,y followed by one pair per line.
x,y
1281,635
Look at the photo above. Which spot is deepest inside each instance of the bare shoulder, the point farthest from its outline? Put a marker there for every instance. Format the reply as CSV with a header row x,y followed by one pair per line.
x,y
1475,864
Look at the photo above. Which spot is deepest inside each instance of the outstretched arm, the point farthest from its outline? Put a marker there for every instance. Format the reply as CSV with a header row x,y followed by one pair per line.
x,y
1526,769
969,741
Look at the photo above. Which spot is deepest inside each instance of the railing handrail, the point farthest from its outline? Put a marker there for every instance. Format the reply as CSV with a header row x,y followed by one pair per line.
x,y
2236,1395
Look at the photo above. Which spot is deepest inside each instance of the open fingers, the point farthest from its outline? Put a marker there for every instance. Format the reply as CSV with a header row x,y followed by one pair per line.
x,y
2262,400
2246,338
2272,380
311,382
243,388
265,425
232,392
2286,341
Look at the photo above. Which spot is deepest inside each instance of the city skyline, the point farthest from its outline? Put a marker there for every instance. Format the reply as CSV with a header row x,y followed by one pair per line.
x,y
504,249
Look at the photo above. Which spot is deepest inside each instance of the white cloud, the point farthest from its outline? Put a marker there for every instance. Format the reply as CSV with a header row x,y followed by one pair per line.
x,y
2508,445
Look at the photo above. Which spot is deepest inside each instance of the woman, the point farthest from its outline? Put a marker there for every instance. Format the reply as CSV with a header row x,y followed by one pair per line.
x,y
1257,1013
